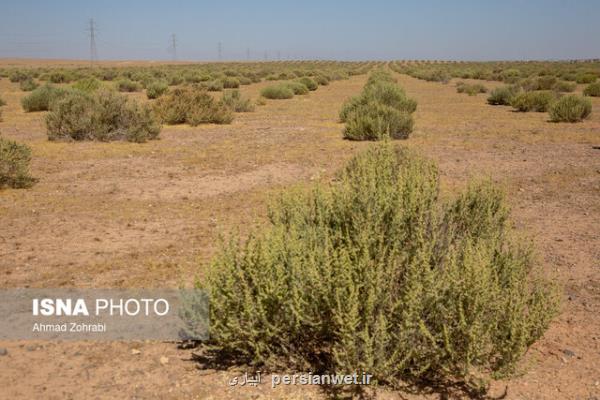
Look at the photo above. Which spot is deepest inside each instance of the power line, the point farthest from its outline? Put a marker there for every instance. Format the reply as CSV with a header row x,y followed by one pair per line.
x,y
92,34
173,47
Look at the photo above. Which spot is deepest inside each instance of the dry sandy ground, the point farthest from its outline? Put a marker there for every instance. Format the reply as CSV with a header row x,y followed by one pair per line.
x,y
130,215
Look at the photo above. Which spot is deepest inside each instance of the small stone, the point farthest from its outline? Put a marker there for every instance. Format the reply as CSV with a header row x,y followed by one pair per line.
x,y
568,353
3,351
164,360
135,351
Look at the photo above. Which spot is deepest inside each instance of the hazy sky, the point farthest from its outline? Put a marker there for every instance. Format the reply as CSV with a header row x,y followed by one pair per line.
x,y
303,29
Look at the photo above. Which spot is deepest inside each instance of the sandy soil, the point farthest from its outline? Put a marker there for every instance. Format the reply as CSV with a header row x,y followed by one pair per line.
x,y
130,215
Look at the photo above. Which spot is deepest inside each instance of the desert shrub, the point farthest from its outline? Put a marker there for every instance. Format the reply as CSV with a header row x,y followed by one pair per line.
x,y
470,89
214,86
383,92
103,116
585,78
503,95
58,76
570,108
297,87
28,85
375,273
88,85
564,86
14,165
42,98
321,80
156,89
18,76
377,121
127,85
380,75
309,83
537,100
2,102
281,91
592,89
244,80
192,105
234,100
546,82
175,80
231,83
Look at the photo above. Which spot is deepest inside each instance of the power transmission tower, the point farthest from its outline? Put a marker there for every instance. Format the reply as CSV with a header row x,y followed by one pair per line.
x,y
278,55
92,34
266,56
247,54
220,50
174,47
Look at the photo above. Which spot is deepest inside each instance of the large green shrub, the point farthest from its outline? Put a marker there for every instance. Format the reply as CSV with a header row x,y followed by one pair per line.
x,y
564,86
42,98
375,273
585,77
593,89
570,108
383,92
280,91
537,100
297,87
192,105
28,85
234,100
309,83
155,89
470,89
231,83
377,121
103,116
88,85
14,165
503,95
127,85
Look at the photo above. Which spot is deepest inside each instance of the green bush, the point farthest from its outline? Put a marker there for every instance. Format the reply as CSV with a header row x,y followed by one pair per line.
x,y
570,108
297,87
155,89
88,85
470,89
234,100
103,116
231,83
309,83
546,82
281,91
374,273
592,89
127,85
14,165
321,80
383,92
379,76
28,85
192,105
537,100
377,121
564,86
503,95
18,76
214,86
42,98
585,78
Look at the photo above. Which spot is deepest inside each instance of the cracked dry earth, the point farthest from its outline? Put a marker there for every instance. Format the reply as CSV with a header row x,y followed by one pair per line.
x,y
130,215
